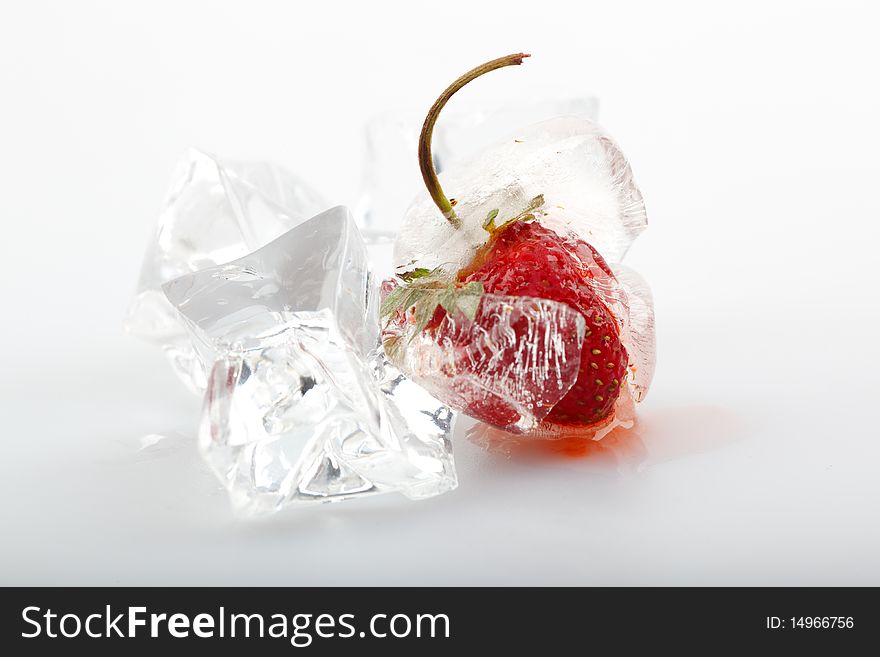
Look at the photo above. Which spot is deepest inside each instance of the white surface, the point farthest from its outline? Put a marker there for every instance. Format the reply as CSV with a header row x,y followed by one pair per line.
x,y
754,135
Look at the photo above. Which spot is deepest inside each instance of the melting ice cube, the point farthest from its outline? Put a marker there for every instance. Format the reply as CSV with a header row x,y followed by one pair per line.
x,y
585,180
215,211
390,175
638,333
301,405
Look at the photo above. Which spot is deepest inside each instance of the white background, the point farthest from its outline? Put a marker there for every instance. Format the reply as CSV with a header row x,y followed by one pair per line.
x,y
752,128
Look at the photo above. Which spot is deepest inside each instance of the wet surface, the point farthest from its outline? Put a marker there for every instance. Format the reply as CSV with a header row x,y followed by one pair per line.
x,y
655,436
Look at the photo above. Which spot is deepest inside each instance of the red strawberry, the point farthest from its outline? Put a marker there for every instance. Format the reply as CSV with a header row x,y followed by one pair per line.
x,y
484,358
521,258
527,259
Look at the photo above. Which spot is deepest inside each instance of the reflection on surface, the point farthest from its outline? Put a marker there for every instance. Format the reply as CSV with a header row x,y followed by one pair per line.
x,y
657,435
620,450
678,431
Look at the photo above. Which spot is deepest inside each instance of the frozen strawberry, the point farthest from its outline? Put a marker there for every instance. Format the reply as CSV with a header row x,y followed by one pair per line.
x,y
527,259
506,360
510,351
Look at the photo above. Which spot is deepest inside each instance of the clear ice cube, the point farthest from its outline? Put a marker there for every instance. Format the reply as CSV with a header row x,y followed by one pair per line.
x,y
301,404
297,418
508,366
586,182
638,336
215,212
465,134
391,175
321,264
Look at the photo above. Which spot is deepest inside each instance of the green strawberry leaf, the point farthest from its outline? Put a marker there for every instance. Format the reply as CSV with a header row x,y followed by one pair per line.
x,y
535,203
529,213
489,223
446,299
468,300
424,310
395,300
415,274
463,300
424,301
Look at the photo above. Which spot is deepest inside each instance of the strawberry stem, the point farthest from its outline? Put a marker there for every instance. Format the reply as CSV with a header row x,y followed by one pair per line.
x,y
426,161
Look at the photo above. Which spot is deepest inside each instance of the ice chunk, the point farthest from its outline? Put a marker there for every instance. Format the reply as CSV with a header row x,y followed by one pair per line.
x,y
467,133
301,405
215,212
297,418
584,178
391,175
319,265
417,437
638,335
508,366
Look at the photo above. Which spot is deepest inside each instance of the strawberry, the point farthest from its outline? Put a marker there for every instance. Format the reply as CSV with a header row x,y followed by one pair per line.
x,y
526,259
521,258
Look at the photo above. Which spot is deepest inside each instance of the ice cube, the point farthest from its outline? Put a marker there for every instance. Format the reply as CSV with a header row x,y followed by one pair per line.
x,y
301,405
297,418
391,175
585,180
638,334
321,264
508,366
215,211
465,134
